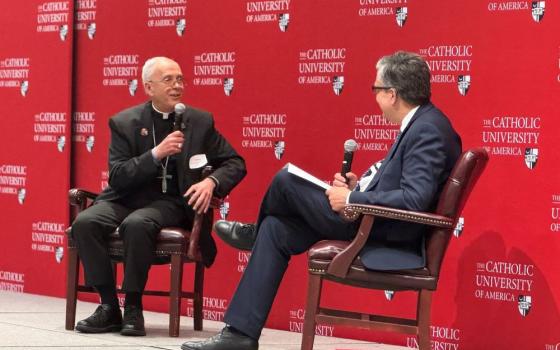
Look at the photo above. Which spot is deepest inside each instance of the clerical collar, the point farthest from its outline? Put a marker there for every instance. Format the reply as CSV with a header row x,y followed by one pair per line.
x,y
164,115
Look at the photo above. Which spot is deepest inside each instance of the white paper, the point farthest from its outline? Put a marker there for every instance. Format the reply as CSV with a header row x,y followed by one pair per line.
x,y
292,169
198,161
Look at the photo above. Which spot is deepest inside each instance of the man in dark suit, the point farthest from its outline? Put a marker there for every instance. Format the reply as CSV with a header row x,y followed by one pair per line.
x,y
155,160
295,214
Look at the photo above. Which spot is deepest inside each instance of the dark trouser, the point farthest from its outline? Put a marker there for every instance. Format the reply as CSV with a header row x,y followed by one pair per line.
x,y
294,215
138,229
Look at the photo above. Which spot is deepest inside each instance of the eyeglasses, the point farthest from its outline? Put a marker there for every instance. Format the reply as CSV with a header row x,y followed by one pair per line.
x,y
170,81
376,89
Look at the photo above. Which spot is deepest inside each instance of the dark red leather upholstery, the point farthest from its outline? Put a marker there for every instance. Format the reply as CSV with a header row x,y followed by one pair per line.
x,y
174,246
339,261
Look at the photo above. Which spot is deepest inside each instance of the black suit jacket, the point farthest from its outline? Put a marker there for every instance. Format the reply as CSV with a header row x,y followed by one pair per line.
x,y
132,166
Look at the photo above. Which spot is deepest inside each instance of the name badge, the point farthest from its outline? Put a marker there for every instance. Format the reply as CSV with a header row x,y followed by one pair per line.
x,y
198,161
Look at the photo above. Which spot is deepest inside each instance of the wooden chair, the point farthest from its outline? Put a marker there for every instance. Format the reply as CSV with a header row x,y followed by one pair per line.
x,y
339,261
174,246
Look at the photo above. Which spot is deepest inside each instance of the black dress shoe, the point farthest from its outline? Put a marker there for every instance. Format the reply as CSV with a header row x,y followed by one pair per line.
x,y
106,318
133,321
227,339
236,234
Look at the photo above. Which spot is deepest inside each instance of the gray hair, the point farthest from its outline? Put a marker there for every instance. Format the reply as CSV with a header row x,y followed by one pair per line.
x,y
149,66
409,74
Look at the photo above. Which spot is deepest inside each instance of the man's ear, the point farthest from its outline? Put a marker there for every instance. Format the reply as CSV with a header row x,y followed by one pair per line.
x,y
148,89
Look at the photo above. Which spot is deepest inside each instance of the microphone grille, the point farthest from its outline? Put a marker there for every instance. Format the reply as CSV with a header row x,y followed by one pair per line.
x,y
180,108
350,145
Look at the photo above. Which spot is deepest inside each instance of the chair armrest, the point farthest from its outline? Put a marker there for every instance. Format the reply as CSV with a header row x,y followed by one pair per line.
x,y
192,250
341,262
353,211
79,197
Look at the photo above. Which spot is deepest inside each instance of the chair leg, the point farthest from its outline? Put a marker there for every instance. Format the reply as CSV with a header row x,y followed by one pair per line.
x,y
423,317
198,293
175,294
72,287
313,298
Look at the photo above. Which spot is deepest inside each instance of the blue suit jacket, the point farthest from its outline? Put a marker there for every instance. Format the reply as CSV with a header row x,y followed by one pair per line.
x,y
411,177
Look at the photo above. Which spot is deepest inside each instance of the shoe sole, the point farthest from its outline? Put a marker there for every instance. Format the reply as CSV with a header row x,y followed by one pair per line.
x,y
133,332
86,329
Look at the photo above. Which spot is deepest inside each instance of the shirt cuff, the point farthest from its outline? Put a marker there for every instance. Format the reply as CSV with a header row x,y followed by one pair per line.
x,y
216,181
348,197
156,161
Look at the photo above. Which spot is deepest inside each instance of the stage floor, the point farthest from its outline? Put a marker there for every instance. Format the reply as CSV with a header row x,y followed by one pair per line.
x,y
30,321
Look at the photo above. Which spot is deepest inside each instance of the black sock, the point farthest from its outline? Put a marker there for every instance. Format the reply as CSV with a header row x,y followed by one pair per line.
x,y
133,298
108,295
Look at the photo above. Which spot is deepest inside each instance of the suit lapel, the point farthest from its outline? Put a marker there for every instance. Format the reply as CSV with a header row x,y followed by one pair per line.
x,y
145,129
182,164
393,149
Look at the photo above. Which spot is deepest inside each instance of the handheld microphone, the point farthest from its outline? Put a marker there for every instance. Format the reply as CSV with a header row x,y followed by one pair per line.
x,y
349,147
179,110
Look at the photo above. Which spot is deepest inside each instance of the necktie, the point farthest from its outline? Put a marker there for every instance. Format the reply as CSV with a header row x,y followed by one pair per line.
x,y
366,178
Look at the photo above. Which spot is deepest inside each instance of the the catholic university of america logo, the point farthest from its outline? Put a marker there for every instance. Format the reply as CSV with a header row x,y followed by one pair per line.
x,y
463,84
63,32
389,294
322,66
531,157
384,8
91,29
21,193
283,21
24,88
537,10
180,26
459,227
279,148
224,209
228,86
338,84
266,131
167,14
59,254
524,304
60,143
48,237
132,86
13,180
273,12
215,69
401,14
121,70
450,64
85,12
90,142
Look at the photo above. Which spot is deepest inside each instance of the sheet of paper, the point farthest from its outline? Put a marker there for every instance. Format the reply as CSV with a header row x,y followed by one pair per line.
x,y
292,169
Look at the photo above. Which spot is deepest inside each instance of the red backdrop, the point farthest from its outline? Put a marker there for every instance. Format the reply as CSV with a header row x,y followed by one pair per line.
x,y
300,73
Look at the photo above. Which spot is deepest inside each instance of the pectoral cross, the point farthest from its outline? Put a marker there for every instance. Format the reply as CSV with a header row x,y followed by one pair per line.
x,y
164,177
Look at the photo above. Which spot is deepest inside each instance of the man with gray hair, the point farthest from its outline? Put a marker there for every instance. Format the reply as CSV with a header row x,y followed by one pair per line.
x,y
296,214
155,160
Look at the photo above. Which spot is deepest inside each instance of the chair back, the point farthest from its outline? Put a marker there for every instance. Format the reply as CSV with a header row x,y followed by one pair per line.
x,y
453,197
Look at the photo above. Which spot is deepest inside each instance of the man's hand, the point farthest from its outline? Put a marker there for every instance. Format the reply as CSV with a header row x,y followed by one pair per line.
x,y
337,197
170,145
200,194
340,181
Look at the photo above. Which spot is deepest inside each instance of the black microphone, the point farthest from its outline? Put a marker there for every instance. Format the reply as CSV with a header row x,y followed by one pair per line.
x,y
178,124
349,147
